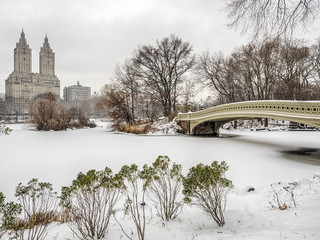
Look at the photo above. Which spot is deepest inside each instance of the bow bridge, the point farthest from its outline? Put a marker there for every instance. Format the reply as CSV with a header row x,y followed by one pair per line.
x,y
209,121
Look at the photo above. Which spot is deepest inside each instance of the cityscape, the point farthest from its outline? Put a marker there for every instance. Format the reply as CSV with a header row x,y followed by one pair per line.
x,y
159,120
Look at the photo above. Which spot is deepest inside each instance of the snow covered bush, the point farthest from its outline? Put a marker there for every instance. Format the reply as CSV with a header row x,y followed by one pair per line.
x,y
90,201
8,214
164,187
39,205
206,187
135,204
3,129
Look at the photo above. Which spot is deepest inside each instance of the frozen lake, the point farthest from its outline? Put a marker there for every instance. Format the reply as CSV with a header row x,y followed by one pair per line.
x,y
254,158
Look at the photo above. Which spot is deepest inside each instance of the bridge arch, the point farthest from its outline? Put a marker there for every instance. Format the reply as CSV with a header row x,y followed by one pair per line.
x,y
306,112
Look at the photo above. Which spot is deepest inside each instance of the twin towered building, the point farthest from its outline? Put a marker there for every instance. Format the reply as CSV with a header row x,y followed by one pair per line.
x,y
22,85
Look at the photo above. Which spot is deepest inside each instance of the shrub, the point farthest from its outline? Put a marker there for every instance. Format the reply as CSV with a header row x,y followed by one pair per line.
x,y
206,187
133,128
8,214
90,201
38,203
164,187
3,129
47,114
135,203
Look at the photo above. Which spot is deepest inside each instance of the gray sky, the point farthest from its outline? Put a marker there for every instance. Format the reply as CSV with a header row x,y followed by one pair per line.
x,y
89,37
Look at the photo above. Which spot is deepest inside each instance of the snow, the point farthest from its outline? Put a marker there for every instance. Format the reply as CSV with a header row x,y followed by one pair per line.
x,y
255,159
163,127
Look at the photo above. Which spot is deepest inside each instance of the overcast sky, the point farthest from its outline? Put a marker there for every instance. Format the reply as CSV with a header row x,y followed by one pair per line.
x,y
89,37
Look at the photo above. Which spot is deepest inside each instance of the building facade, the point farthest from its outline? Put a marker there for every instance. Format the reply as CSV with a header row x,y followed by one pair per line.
x,y
22,86
76,93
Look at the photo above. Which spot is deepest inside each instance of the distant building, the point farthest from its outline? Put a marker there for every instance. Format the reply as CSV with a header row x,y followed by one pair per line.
x,y
76,93
22,86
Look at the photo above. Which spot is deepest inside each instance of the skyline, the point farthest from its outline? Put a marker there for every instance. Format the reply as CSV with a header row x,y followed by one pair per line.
x,y
90,38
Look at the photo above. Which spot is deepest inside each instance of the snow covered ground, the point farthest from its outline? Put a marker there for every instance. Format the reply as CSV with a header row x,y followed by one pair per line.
x,y
255,159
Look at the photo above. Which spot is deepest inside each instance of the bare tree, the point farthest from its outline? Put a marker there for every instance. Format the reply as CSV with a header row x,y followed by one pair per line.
x,y
124,100
295,71
215,72
150,107
74,112
315,58
14,109
255,67
263,70
188,93
162,68
126,78
266,18
114,102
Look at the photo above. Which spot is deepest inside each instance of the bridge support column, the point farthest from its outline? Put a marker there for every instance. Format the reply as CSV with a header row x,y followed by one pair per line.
x,y
215,129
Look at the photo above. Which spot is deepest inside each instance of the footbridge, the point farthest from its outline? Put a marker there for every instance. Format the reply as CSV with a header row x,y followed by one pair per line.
x,y
210,120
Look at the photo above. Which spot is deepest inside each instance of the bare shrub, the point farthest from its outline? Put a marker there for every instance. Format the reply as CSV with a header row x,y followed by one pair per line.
x,y
134,128
283,197
47,114
89,203
164,187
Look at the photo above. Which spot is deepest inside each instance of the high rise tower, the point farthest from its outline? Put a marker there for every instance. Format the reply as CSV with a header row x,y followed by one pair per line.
x,y
46,60
22,56
22,85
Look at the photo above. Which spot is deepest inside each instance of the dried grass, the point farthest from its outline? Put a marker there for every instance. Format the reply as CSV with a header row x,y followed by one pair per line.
x,y
41,219
134,128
